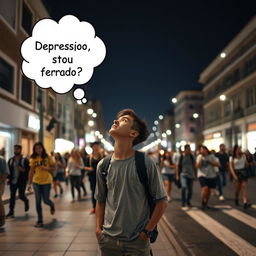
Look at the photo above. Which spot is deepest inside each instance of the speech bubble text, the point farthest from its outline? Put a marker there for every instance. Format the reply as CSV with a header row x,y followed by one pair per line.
x,y
59,55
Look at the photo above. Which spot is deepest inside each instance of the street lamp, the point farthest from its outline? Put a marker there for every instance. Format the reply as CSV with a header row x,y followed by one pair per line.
x,y
156,122
168,132
223,55
174,100
195,115
90,111
161,117
177,126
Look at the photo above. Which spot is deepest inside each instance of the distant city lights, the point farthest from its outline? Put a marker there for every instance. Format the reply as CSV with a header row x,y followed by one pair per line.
x,y
90,111
223,55
174,100
177,126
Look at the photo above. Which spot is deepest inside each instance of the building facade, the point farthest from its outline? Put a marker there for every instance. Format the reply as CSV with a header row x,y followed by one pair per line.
x,y
188,113
230,93
19,122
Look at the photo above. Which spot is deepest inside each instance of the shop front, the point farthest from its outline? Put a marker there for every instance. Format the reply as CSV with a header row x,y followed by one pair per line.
x,y
213,140
251,137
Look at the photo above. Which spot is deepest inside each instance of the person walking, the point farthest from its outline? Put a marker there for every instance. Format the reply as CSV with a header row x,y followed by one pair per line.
x,y
41,171
84,156
75,164
186,173
59,174
238,165
223,170
17,180
168,172
4,172
206,174
123,222
91,166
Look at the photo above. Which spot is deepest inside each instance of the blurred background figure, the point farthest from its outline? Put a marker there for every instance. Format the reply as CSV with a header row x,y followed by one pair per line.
x,y
84,155
74,166
167,168
238,165
223,170
186,174
18,178
41,171
206,174
91,166
59,174
4,172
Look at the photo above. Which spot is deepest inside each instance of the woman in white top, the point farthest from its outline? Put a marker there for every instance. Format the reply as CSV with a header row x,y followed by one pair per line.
x,y
75,164
168,172
237,165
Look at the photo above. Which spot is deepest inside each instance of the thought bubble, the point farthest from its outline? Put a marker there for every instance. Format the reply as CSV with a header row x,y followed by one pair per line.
x,y
78,93
59,55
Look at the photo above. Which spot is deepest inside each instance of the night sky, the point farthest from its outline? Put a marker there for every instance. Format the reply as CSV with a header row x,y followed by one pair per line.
x,y
154,48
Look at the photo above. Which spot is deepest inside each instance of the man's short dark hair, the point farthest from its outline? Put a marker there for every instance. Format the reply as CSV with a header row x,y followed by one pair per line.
x,y
18,146
95,143
138,124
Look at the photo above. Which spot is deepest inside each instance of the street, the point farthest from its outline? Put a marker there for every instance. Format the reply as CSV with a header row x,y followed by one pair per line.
x,y
222,230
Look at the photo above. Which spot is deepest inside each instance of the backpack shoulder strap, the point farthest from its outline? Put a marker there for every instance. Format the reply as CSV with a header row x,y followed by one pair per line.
x,y
141,168
105,165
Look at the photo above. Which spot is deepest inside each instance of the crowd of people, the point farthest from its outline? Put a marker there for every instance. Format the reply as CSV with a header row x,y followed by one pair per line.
x,y
43,171
212,170
127,192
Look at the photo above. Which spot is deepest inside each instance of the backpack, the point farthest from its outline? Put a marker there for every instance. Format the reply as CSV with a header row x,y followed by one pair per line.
x,y
143,177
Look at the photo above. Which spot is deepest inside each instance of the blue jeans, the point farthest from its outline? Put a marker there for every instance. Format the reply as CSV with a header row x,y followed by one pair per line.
x,y
42,191
221,181
186,188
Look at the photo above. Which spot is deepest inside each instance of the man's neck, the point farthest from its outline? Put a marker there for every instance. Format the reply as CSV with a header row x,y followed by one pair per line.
x,y
123,150
17,157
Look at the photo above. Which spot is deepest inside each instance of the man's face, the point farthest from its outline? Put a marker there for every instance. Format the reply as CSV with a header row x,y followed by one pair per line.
x,y
96,148
223,148
17,151
122,126
187,150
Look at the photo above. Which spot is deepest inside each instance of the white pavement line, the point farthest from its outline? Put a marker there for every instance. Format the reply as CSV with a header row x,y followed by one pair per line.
x,y
236,243
245,218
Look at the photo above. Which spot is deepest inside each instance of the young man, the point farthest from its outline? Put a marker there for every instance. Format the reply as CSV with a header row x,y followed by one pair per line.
x,y
18,178
224,165
123,225
186,172
4,171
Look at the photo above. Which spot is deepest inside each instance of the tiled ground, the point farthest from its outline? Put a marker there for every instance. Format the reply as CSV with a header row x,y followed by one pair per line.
x,y
70,232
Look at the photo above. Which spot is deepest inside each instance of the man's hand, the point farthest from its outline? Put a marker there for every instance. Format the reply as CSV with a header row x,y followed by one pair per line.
x,y
29,188
144,237
21,169
98,233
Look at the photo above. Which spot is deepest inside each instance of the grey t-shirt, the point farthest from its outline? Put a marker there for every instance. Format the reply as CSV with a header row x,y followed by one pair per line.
x,y
127,210
188,166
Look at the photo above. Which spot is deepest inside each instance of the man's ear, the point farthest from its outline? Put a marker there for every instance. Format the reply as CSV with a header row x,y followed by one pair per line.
x,y
134,133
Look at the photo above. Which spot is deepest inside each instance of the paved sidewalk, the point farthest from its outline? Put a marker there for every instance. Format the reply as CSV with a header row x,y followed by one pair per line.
x,y
70,232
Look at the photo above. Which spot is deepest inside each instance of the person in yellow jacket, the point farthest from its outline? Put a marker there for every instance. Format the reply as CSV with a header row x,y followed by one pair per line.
x,y
41,175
